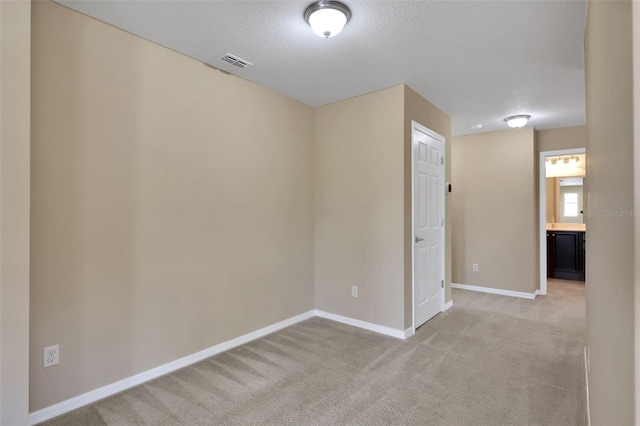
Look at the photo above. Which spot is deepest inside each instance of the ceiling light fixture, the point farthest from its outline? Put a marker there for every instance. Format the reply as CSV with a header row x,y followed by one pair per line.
x,y
327,18
571,160
516,121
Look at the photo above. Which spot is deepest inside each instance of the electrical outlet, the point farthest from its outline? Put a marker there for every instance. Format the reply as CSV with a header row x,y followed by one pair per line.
x,y
51,355
475,267
354,291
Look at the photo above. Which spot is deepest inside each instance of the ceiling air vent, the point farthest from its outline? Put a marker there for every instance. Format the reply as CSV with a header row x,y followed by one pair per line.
x,y
235,61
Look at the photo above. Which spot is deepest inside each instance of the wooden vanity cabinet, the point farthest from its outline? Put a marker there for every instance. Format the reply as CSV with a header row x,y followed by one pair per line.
x,y
565,255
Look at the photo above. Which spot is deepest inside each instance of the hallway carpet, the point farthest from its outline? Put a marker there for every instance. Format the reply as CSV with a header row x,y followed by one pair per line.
x,y
489,360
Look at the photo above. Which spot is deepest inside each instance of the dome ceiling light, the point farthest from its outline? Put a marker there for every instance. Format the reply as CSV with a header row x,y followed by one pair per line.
x,y
516,121
327,18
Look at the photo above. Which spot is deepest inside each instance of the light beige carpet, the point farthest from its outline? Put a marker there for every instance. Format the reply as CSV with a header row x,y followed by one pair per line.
x,y
489,360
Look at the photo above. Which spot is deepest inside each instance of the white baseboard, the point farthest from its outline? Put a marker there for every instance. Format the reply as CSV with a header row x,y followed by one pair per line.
x,y
108,390
586,382
447,305
393,332
113,388
495,291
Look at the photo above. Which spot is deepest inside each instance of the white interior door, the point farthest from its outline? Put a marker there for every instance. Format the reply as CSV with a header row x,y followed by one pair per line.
x,y
428,223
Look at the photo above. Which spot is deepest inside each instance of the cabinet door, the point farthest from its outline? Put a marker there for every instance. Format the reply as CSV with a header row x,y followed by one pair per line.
x,y
567,255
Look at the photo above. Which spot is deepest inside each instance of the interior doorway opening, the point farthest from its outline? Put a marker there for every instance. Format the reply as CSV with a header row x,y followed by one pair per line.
x,y
562,214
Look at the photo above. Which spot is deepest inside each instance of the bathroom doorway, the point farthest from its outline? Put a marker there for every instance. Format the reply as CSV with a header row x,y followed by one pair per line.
x,y
562,215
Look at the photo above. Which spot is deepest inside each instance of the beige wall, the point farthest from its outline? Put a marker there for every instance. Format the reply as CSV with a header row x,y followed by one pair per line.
x,y
167,219
562,138
636,191
494,203
15,36
610,246
359,237
417,108
172,205
552,199
363,204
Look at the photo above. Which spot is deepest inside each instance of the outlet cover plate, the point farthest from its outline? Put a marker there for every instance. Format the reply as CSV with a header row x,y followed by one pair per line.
x,y
51,356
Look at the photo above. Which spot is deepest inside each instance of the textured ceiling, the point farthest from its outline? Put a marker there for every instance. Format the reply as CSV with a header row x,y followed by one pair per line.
x,y
478,61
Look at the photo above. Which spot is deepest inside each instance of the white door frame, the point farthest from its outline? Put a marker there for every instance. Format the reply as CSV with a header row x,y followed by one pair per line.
x,y
417,126
542,190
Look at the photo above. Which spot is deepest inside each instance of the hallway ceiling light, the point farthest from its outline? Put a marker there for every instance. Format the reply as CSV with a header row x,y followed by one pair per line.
x,y
516,121
327,18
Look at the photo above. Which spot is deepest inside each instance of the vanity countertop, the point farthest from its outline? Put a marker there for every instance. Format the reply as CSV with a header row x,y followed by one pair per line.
x,y
566,227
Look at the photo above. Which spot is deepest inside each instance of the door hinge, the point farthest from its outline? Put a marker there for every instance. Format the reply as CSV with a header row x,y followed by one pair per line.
x,y
442,160
442,222
442,283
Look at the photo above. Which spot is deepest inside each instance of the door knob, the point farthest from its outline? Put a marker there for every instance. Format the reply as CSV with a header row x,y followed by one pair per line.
x,y
418,239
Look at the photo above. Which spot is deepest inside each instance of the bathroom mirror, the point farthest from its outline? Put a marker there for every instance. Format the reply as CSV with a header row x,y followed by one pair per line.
x,y
565,200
